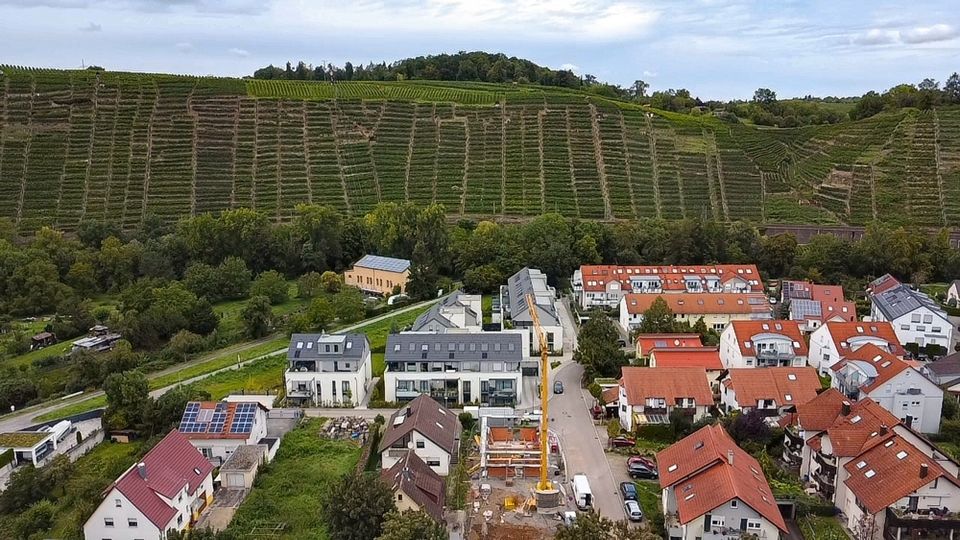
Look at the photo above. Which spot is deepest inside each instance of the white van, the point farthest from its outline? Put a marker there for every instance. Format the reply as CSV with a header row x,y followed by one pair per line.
x,y
581,492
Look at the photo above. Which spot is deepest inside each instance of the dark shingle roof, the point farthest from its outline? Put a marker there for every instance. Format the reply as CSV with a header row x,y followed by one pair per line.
x,y
478,346
428,418
419,482
531,281
435,313
313,347
899,300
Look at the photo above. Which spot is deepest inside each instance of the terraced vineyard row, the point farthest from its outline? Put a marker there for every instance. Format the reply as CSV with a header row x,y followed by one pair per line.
x,y
80,145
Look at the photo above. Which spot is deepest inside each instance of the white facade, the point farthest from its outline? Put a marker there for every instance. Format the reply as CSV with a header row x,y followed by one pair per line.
x,y
725,521
824,352
783,350
435,457
626,410
468,384
912,398
922,326
335,388
939,494
118,519
217,450
953,293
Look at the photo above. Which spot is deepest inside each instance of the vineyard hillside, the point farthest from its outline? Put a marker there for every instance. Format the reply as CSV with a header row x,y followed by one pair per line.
x,y
78,145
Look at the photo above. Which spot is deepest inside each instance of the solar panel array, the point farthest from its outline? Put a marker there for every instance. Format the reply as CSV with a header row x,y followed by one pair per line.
x,y
198,420
805,308
387,264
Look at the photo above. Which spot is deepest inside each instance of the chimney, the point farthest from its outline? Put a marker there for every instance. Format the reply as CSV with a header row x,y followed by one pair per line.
x,y
883,429
730,457
924,470
845,408
142,470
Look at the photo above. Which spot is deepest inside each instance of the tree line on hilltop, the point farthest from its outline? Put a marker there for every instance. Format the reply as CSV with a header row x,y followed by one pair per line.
x,y
763,109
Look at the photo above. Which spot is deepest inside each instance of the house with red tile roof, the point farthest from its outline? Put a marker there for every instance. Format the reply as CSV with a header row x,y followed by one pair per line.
x,y
745,344
895,490
916,318
706,357
872,372
714,489
812,304
648,395
218,428
716,310
415,486
809,421
772,391
167,489
605,285
648,342
834,340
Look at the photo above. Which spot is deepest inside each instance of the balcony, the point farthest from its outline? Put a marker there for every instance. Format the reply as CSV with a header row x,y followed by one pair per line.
x,y
299,393
730,533
767,412
829,463
792,440
902,525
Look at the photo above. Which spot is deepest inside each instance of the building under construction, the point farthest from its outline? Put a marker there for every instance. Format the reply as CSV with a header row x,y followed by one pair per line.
x,y
510,451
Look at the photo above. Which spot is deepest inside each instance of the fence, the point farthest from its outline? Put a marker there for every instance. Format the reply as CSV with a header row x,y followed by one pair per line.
x,y
93,439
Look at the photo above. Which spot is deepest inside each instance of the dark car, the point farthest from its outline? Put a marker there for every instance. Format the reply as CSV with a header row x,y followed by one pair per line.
x,y
558,387
641,459
622,442
628,490
640,470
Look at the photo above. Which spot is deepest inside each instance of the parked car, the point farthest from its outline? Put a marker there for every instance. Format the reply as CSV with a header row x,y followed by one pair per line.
x,y
558,387
633,510
628,490
597,412
640,470
641,459
622,442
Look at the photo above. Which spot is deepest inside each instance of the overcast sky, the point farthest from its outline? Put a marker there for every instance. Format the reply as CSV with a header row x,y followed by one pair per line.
x,y
716,48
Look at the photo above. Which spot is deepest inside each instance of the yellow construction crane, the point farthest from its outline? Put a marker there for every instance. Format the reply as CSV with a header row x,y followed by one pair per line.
x,y
545,483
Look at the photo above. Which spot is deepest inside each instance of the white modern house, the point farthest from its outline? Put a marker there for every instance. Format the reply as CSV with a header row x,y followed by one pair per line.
x,y
746,344
834,340
871,372
514,308
712,489
482,367
167,489
953,292
328,369
457,312
218,428
428,428
916,318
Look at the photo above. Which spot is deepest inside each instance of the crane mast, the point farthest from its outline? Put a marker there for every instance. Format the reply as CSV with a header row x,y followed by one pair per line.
x,y
544,483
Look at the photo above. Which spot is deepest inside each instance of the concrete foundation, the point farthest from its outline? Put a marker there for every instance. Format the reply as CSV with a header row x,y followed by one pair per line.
x,y
548,501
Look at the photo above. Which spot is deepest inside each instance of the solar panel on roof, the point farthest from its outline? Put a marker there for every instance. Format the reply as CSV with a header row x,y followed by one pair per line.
x,y
388,264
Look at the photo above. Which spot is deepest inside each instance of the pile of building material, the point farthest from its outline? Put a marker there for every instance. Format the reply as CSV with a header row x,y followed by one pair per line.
x,y
347,428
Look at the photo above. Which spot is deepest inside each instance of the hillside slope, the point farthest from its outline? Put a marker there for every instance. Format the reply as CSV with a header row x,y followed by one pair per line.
x,y
115,146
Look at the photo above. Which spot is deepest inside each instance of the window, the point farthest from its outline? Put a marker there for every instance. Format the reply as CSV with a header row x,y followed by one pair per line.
x,y
179,520
733,503
116,502
921,328
108,522
433,462
753,524
131,522
915,317
905,327
420,444
927,319
936,329
716,522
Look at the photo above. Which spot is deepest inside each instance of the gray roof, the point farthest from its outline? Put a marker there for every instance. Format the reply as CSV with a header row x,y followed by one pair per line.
x,y
434,313
800,309
901,300
387,264
796,290
314,346
246,457
948,366
497,346
531,281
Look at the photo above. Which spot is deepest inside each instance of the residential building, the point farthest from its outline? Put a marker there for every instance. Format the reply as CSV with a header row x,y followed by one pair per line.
x,y
773,392
812,304
240,469
482,367
218,428
810,420
99,338
707,358
328,369
457,312
514,308
378,275
426,427
834,340
871,372
895,490
415,486
763,344
712,489
648,342
716,310
945,373
33,447
605,285
916,318
167,489
953,293
649,395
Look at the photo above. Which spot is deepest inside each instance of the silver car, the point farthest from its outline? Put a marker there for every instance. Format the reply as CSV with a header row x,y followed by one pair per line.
x,y
633,510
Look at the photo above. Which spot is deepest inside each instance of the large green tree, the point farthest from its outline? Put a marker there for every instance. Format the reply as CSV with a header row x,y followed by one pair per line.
x,y
355,507
657,318
126,392
412,525
597,349
592,526
257,316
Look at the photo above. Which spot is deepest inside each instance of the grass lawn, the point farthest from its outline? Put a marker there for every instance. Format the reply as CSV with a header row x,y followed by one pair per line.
x,y
57,349
289,489
649,494
821,528
486,305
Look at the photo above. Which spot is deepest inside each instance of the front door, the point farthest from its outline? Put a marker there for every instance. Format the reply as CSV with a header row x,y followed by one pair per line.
x,y
912,503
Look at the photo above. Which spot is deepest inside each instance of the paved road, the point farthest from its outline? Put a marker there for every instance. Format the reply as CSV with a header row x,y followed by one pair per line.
x,y
25,417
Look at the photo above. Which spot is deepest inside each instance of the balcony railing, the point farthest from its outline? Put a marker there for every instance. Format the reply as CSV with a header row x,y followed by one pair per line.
x,y
922,521
298,393
828,463
792,440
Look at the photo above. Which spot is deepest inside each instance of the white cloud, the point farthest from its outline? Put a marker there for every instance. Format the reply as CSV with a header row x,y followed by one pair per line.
x,y
647,73
236,51
91,27
184,47
570,67
927,34
876,36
